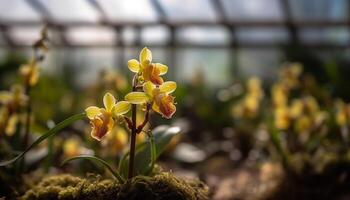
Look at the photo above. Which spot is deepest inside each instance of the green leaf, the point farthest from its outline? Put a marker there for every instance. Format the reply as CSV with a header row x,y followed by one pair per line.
x,y
49,133
148,151
104,163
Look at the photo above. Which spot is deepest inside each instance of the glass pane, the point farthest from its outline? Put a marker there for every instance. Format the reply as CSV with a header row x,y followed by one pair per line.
x,y
25,35
91,35
319,9
155,35
18,10
337,35
129,35
130,10
204,35
262,35
89,63
71,11
214,64
259,62
249,10
189,10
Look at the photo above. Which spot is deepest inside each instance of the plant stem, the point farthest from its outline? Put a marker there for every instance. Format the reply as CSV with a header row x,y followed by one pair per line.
x,y
133,133
27,124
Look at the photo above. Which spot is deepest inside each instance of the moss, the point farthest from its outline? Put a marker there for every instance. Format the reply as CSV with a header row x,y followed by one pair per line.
x,y
161,186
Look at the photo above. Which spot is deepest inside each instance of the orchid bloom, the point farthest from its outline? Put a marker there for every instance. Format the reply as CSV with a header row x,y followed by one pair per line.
x,y
159,96
101,119
146,69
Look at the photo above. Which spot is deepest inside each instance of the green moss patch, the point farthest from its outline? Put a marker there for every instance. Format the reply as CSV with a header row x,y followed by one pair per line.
x,y
161,186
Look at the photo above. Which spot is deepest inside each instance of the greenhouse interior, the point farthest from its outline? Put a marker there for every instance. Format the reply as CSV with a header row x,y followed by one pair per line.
x,y
175,100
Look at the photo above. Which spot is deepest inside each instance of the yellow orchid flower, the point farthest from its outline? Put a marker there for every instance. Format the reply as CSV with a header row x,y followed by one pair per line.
x,y
159,96
146,69
101,119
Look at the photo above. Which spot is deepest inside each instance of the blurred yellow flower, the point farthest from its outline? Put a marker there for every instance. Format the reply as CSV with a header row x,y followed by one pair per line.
x,y
279,95
13,99
4,114
282,118
113,79
146,69
297,108
342,115
11,125
101,119
249,106
254,87
159,96
72,147
303,124
311,105
30,72
290,74
116,141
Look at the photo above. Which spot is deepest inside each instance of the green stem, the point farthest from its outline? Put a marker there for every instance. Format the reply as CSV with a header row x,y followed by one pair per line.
x,y
49,154
133,132
27,124
132,142
49,133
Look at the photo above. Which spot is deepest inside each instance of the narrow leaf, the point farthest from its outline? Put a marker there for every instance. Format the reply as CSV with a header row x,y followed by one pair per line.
x,y
49,133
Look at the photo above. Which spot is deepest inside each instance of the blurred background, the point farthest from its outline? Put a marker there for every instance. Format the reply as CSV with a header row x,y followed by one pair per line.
x,y
212,47
223,39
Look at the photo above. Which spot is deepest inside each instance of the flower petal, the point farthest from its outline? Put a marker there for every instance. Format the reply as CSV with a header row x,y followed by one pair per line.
x,y
101,126
108,101
134,65
92,112
145,56
148,88
167,107
162,68
168,87
156,108
121,108
136,97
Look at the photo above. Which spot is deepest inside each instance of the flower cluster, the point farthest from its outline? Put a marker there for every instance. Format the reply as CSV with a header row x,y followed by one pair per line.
x,y
300,114
248,107
149,89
